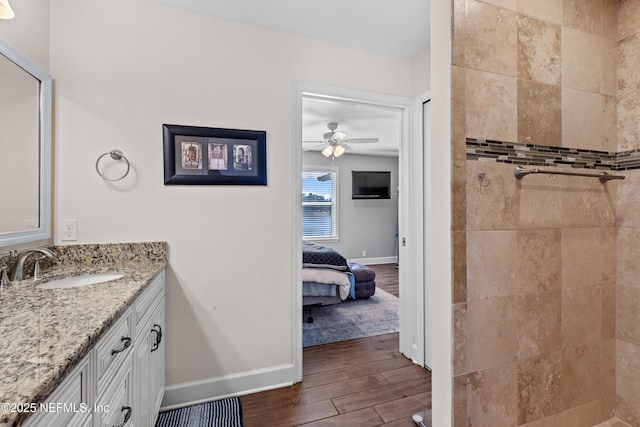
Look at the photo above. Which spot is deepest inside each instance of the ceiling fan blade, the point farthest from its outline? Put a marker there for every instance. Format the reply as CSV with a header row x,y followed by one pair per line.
x,y
313,142
347,146
314,147
362,140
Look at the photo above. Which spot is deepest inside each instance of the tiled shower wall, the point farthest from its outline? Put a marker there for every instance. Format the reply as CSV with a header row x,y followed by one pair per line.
x,y
534,259
628,290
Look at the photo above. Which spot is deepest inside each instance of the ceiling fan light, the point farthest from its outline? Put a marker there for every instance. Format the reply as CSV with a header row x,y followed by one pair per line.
x,y
339,150
5,10
339,136
328,151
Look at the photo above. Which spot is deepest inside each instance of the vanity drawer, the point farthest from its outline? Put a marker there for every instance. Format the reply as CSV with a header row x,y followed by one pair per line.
x,y
113,349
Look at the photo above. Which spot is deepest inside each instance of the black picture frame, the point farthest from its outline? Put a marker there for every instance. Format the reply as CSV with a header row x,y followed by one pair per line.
x,y
195,155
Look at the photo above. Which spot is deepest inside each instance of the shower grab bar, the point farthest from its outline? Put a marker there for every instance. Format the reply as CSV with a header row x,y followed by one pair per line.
x,y
519,172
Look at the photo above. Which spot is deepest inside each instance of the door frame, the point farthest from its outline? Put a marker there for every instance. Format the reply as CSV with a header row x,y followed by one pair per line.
x,y
413,346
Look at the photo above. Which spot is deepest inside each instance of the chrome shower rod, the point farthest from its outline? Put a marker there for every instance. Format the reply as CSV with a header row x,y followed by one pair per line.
x,y
519,172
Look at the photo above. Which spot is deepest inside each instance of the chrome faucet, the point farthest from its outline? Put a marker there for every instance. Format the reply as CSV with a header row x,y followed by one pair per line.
x,y
17,273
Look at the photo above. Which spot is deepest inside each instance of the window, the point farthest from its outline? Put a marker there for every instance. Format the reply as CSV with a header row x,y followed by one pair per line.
x,y
319,203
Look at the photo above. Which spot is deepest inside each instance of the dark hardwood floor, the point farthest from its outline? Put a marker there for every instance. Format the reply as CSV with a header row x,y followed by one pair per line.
x,y
387,278
364,382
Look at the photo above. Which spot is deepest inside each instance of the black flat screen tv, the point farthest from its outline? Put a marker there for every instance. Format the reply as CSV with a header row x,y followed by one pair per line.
x,y
370,185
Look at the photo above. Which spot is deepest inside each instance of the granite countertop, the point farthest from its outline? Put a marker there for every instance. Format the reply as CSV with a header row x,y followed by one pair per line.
x,y
46,332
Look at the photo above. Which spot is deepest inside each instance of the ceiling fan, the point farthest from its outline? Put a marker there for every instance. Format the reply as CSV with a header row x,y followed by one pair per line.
x,y
335,141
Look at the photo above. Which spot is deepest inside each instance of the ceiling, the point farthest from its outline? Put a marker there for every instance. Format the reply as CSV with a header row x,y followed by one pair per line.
x,y
357,120
394,27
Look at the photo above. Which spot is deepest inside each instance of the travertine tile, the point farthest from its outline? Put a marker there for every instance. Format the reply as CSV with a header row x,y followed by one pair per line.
x,y
628,260
628,74
609,124
538,51
540,202
459,241
547,10
539,113
491,38
628,199
628,19
607,369
608,312
550,421
609,67
582,415
492,264
491,106
492,332
459,196
581,316
588,203
493,396
580,375
581,119
588,256
609,19
458,114
459,32
540,268
460,418
628,382
539,387
460,365
507,4
539,324
583,15
491,204
627,318
581,60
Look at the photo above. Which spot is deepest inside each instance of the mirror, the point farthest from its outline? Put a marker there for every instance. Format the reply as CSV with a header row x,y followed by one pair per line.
x,y
25,148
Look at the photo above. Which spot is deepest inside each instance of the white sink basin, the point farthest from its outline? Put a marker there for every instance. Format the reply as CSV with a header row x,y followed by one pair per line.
x,y
84,280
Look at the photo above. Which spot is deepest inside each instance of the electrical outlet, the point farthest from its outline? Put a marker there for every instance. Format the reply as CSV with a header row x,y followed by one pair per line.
x,y
364,253
69,230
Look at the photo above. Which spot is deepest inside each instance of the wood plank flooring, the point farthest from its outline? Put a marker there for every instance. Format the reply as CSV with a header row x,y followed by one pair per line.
x,y
364,382
387,278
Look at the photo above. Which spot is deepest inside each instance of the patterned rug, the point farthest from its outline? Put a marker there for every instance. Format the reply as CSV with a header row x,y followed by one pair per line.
x,y
352,319
221,413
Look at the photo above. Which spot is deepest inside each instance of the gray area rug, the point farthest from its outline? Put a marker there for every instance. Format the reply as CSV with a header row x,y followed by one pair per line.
x,y
352,319
220,413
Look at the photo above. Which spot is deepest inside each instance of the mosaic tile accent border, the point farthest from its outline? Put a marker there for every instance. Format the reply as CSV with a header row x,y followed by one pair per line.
x,y
485,150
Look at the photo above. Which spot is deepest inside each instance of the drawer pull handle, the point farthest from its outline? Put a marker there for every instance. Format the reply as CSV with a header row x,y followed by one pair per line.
x,y
126,343
127,416
158,336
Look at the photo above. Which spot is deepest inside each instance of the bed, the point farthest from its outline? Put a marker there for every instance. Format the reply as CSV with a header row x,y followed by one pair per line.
x,y
326,277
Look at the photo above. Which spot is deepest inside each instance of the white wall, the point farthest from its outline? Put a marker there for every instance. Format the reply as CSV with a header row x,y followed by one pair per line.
x,y
119,77
368,225
28,31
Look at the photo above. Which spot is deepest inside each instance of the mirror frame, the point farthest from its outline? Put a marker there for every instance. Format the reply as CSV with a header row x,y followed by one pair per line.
x,y
43,232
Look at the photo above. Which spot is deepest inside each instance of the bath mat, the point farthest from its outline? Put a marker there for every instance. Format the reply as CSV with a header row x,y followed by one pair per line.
x,y
220,413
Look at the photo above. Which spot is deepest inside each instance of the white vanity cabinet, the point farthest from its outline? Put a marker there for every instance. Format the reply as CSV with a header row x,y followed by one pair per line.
x,y
120,383
148,357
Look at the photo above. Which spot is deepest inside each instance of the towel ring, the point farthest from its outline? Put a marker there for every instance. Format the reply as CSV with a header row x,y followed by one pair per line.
x,y
115,155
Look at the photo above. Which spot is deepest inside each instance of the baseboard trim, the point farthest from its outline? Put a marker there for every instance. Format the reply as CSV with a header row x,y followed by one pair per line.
x,y
191,393
373,261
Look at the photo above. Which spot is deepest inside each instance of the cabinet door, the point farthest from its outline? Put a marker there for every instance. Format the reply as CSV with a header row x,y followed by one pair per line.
x,y
115,408
69,403
157,360
141,369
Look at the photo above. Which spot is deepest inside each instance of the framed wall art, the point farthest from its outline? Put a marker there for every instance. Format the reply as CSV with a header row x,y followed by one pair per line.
x,y
196,155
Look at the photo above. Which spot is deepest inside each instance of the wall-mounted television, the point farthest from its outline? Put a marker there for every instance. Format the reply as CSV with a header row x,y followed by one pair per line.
x,y
370,185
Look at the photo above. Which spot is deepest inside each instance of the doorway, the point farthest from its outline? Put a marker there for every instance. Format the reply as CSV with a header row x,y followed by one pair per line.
x,y
410,218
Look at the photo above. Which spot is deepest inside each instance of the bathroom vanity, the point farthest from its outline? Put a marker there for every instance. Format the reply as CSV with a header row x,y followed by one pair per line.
x,y
86,355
